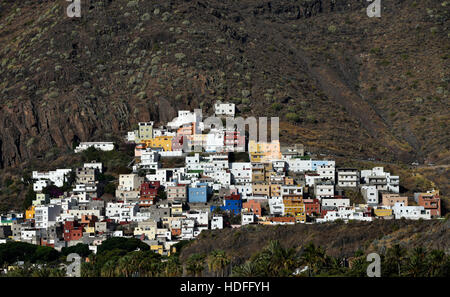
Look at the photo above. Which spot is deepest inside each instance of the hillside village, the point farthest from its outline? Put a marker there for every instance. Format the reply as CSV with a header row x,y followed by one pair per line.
x,y
231,182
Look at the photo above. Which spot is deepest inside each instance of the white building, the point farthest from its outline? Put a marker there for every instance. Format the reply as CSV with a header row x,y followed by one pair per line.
x,y
131,136
149,160
241,172
163,132
298,165
94,165
312,178
129,182
187,228
216,222
337,202
103,146
200,217
276,206
383,181
85,192
39,185
347,178
370,194
291,190
247,218
245,189
324,190
45,215
227,109
221,177
344,213
410,212
327,172
121,212
279,165
187,117
57,177
30,235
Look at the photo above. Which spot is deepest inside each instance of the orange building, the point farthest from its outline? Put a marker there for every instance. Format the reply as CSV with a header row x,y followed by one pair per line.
x,y
253,206
29,213
430,201
164,142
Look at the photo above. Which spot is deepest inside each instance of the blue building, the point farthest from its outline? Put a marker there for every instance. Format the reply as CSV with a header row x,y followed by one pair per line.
x,y
198,194
232,204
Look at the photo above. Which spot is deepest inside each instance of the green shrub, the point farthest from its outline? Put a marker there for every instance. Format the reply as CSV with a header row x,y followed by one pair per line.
x,y
292,117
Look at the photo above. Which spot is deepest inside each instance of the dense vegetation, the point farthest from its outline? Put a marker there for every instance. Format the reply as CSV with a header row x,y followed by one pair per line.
x,y
12,252
123,257
274,260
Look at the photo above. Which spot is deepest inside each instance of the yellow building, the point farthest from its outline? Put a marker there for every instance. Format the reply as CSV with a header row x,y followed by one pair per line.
x,y
145,131
88,229
275,190
289,181
294,206
158,248
177,209
29,213
264,152
382,212
164,142
41,199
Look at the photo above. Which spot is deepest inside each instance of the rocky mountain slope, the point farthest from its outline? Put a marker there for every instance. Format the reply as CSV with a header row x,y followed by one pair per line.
x,y
341,82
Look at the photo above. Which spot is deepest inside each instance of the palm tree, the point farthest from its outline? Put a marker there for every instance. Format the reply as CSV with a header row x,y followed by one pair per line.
x,y
88,270
358,267
275,260
150,267
248,269
287,261
417,263
313,257
262,263
195,264
218,261
108,269
136,262
124,266
435,259
335,265
396,254
172,267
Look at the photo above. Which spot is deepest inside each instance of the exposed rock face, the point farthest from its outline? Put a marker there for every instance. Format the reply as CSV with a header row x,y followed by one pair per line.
x,y
341,82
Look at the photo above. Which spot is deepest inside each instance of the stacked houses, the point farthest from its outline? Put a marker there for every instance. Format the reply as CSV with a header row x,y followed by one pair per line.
x,y
218,186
